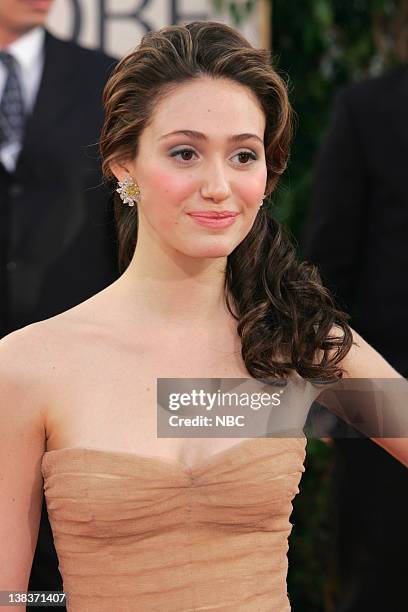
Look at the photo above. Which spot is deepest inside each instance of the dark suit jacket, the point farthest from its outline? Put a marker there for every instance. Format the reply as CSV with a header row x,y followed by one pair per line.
x,y
357,235
358,224
57,235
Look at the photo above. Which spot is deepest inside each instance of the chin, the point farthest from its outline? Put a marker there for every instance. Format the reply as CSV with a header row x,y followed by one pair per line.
x,y
211,253
34,22
202,247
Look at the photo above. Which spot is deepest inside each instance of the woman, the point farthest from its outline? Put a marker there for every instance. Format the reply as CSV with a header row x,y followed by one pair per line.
x,y
197,128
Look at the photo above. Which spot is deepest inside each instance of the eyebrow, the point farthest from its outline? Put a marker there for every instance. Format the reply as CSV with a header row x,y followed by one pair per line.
x,y
200,136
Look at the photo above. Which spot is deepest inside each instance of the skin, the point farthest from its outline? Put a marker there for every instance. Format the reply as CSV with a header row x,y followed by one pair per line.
x,y
179,265
17,17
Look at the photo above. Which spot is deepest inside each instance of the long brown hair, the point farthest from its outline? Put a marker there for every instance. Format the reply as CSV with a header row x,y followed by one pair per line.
x,y
285,316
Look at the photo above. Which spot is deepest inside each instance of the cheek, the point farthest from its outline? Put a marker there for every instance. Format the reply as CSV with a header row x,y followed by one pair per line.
x,y
174,187
252,188
166,195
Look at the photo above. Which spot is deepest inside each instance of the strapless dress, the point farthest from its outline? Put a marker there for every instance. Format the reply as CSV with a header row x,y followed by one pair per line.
x,y
136,533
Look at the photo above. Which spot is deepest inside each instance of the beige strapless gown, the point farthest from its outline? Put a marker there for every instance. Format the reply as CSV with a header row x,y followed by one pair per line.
x,y
136,533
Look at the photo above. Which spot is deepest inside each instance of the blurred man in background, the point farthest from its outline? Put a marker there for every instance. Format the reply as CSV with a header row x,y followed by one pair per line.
x,y
57,234
357,235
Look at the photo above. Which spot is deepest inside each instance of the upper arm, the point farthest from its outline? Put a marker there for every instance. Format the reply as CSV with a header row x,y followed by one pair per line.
x,y
22,445
389,390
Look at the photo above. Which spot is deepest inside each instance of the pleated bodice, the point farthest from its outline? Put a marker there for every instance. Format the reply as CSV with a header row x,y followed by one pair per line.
x,y
142,533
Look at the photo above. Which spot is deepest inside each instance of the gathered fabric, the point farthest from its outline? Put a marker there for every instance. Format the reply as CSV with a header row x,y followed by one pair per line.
x,y
141,533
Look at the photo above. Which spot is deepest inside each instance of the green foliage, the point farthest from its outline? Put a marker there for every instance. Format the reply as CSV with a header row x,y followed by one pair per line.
x,y
238,11
318,47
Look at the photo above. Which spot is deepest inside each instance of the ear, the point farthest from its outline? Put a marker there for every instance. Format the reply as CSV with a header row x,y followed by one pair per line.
x,y
120,169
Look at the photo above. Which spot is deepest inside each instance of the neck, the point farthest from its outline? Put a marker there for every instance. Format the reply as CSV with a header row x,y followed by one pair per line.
x,y
174,290
8,36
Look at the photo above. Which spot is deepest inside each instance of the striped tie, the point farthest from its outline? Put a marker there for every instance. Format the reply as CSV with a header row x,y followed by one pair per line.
x,y
11,104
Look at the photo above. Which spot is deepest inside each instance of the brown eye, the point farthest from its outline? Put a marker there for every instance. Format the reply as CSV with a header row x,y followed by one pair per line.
x,y
186,154
245,156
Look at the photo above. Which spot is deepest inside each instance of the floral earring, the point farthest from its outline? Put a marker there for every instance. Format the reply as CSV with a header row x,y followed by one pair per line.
x,y
129,191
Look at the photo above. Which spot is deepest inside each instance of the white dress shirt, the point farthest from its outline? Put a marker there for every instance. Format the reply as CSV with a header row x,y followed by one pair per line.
x,y
28,51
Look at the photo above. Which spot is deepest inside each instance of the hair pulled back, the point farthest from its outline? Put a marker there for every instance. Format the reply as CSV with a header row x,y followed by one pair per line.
x,y
285,316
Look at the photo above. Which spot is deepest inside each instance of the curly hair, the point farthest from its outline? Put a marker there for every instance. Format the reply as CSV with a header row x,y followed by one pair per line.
x,y
286,318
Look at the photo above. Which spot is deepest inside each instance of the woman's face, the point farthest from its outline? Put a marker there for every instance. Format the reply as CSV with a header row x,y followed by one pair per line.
x,y
202,152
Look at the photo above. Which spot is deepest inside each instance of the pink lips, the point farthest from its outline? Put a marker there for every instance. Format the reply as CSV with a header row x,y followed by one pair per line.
x,y
215,220
213,215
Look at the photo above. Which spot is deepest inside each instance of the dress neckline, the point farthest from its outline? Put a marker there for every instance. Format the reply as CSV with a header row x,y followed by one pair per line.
x,y
174,463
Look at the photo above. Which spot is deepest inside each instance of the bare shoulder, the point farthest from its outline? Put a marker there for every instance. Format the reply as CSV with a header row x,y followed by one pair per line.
x,y
31,356
25,358
21,355
25,352
363,360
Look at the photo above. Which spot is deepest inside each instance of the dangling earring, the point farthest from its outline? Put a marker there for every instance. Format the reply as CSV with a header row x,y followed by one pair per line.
x,y
129,191
264,196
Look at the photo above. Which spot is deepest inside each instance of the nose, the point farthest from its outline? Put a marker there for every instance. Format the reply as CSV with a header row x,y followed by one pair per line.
x,y
215,184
